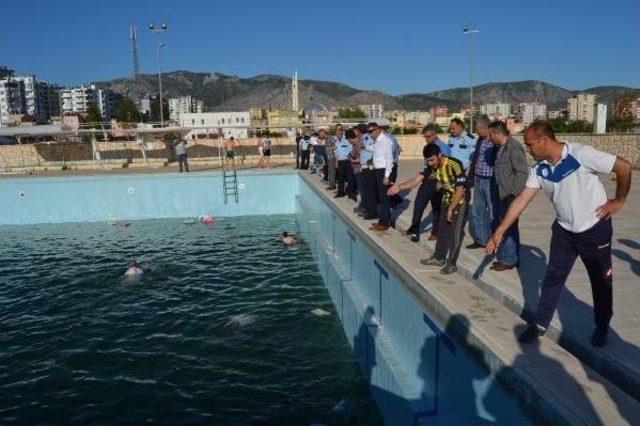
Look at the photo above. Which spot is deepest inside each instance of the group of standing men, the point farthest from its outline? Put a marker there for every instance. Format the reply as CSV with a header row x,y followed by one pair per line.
x,y
362,164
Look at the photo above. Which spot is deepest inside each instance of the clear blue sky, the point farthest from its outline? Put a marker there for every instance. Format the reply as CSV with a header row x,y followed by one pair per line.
x,y
398,47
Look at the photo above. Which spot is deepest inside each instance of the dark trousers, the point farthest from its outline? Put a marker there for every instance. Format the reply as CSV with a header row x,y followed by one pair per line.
x,y
395,199
594,248
182,162
304,159
352,182
450,234
384,207
427,192
368,192
343,172
298,152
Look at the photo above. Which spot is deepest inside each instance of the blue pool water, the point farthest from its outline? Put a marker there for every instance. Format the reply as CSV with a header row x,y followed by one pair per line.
x,y
219,331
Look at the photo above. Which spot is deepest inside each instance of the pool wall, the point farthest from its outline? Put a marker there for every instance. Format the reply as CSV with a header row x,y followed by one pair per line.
x,y
417,374
32,200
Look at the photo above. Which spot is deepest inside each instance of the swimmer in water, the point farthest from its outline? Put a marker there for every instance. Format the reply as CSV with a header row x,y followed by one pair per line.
x,y
134,270
288,240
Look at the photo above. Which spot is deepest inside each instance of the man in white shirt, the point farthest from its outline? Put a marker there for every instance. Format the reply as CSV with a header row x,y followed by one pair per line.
x,y
568,174
382,164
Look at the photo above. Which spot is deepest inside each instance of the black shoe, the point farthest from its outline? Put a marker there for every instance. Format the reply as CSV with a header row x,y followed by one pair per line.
x,y
599,338
415,238
532,333
475,245
370,217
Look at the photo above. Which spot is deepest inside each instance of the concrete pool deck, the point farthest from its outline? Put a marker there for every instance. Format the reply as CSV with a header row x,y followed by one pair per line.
x,y
572,325
547,376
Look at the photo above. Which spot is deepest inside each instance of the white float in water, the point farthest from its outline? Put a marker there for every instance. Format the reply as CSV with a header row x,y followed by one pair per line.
x,y
320,312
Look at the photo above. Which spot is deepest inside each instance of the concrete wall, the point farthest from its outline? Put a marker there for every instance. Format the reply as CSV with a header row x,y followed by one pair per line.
x,y
127,154
626,145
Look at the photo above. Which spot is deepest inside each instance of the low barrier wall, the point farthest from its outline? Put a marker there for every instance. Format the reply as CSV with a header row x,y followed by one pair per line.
x,y
71,155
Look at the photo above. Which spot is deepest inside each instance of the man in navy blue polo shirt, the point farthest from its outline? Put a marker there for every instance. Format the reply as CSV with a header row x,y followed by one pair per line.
x,y
568,174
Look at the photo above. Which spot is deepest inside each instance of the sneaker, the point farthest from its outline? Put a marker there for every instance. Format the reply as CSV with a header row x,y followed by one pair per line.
x,y
532,333
449,269
432,261
415,238
599,338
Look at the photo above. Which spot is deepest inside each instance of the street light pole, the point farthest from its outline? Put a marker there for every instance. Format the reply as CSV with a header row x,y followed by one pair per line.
x,y
470,32
158,31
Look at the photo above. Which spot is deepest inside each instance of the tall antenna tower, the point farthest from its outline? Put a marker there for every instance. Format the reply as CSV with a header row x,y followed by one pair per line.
x,y
133,35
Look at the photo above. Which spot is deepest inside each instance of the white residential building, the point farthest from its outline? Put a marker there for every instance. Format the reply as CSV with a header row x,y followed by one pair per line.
x,y
77,100
500,108
528,112
11,99
582,107
600,119
420,118
372,110
184,105
230,123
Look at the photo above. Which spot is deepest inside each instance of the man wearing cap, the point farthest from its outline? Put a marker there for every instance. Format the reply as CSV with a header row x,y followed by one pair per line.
x,y
343,149
330,167
484,191
382,164
367,182
568,173
304,152
461,143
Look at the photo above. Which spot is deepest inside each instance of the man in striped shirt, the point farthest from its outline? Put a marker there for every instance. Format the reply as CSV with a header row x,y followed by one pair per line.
x,y
451,177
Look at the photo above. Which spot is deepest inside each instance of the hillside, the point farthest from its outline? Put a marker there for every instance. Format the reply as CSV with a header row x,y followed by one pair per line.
x,y
221,92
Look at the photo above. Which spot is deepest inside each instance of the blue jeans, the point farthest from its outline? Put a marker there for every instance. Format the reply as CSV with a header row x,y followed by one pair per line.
x,y
481,215
509,249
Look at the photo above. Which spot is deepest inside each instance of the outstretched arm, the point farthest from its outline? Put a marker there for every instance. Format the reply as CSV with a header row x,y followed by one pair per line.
x,y
515,210
411,183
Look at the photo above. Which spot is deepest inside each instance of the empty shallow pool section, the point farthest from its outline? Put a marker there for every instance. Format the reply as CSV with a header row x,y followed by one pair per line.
x,y
227,326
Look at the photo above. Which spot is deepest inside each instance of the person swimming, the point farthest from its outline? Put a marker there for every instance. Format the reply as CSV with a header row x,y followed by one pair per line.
x,y
288,240
134,270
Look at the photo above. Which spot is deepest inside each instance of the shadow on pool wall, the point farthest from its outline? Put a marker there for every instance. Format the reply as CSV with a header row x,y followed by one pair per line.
x,y
417,374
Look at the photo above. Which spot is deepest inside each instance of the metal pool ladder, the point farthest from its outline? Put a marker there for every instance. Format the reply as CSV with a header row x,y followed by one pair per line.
x,y
230,185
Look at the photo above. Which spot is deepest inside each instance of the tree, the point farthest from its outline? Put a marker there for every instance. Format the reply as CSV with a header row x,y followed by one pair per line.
x,y
579,126
351,112
93,114
624,112
155,109
127,111
559,124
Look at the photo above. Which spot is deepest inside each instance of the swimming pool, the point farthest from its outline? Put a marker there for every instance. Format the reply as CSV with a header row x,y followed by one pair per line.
x,y
413,368
221,329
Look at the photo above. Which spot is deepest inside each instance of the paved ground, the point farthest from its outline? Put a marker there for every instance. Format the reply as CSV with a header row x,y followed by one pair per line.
x,y
573,323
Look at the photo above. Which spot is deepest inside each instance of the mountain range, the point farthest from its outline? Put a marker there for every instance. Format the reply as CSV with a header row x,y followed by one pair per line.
x,y
221,92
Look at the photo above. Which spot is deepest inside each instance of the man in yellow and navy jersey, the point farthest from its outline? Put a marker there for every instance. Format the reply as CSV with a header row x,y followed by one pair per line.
x,y
452,180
